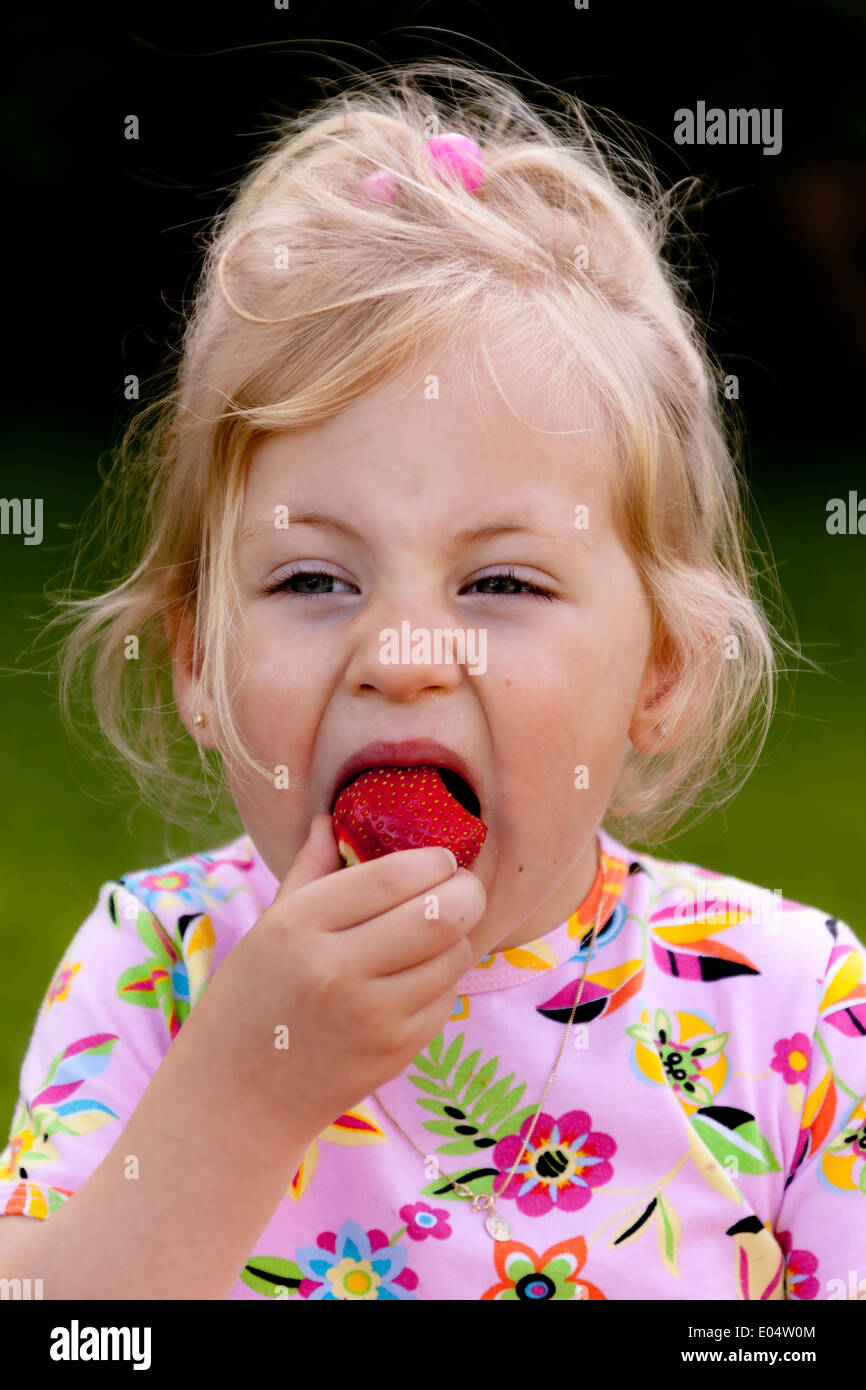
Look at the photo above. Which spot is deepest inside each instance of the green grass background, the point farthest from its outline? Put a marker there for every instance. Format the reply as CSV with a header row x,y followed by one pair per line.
x,y
797,826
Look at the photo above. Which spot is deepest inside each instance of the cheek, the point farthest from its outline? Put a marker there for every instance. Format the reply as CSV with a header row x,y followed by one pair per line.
x,y
276,699
619,667
575,704
620,643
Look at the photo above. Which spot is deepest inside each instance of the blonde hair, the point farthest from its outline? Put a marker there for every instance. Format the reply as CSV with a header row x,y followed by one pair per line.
x,y
558,259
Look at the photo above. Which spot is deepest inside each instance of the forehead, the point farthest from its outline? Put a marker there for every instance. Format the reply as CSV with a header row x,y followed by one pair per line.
x,y
441,433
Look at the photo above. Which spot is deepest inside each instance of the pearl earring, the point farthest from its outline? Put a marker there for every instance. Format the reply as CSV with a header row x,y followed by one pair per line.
x,y
200,720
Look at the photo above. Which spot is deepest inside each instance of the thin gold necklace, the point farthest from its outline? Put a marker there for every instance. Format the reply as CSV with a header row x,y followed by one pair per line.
x,y
497,1226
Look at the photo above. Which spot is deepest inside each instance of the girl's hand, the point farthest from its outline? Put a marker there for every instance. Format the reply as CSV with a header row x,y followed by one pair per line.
x,y
354,965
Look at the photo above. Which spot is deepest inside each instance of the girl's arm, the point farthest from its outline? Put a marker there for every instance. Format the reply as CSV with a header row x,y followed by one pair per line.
x,y
205,1190
146,1158
130,1155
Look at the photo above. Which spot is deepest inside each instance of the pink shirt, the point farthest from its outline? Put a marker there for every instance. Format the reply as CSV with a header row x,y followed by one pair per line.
x,y
704,1137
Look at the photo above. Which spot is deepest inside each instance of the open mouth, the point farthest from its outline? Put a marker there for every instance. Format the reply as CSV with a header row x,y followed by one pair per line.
x,y
452,781
460,790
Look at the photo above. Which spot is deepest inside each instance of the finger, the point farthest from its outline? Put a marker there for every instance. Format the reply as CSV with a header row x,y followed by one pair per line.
x,y
425,988
416,931
317,857
356,894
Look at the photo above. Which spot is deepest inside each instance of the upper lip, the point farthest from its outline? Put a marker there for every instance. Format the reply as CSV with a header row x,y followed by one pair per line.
x,y
408,753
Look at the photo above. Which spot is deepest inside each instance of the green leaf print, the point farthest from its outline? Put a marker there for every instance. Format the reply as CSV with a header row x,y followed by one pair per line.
x,y
463,1130
433,1105
730,1133
272,1275
441,1127
465,1070
635,1228
475,1178
513,1123
505,1106
428,1068
701,1094
642,1032
709,1046
669,1228
477,1143
480,1082
432,1086
491,1097
663,1026
450,1058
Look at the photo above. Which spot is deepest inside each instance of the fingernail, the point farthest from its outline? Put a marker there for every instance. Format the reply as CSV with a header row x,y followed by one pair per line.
x,y
453,857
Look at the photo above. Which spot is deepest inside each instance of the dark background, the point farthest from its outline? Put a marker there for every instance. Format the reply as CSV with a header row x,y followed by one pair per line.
x,y
101,253
103,235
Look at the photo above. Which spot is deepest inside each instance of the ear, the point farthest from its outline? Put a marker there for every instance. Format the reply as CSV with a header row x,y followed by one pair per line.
x,y
189,696
681,672
650,730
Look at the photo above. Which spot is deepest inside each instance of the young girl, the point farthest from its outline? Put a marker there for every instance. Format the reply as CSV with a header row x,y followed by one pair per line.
x,y
440,385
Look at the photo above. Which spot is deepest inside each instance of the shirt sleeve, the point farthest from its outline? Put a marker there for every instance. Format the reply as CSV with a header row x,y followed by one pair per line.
x,y
821,1224
105,1023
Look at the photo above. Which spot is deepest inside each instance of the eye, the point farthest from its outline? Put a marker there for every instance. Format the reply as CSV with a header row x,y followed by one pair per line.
x,y
287,583
508,577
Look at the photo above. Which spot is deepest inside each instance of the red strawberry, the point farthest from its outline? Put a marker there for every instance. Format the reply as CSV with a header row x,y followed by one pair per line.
x,y
391,808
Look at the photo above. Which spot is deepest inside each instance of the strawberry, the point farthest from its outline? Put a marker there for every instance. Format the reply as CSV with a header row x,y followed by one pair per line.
x,y
391,808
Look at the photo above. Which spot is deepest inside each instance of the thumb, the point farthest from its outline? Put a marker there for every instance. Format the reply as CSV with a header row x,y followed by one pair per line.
x,y
317,856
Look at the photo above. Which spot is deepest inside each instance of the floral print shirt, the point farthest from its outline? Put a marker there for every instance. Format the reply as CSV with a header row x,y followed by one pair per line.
x,y
704,1136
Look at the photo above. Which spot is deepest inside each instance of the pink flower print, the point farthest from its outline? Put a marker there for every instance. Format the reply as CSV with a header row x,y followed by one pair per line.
x,y
175,883
792,1058
423,1221
563,1162
189,881
801,1265
59,987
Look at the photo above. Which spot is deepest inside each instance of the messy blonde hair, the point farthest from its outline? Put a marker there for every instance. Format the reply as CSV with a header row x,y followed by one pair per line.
x,y
311,295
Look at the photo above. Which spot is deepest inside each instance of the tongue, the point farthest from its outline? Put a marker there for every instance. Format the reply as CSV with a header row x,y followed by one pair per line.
x,y
394,808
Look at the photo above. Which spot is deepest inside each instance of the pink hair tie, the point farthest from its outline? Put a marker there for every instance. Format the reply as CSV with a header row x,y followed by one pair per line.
x,y
457,156
451,156
381,186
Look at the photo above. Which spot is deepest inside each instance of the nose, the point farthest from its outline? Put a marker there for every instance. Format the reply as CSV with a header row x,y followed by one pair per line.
x,y
405,649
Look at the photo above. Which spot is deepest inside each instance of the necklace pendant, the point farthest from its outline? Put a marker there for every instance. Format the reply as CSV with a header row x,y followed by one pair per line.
x,y
498,1227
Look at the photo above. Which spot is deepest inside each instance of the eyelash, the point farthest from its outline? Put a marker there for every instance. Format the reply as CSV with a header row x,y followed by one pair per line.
x,y
533,590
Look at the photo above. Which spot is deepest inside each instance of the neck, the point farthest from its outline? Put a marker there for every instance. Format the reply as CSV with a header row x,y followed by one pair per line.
x,y
560,905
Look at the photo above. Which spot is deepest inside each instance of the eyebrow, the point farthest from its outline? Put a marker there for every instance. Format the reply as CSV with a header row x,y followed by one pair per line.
x,y
503,526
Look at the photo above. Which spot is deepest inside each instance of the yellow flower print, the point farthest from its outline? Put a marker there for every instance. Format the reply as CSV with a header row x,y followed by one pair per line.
x,y
686,1055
